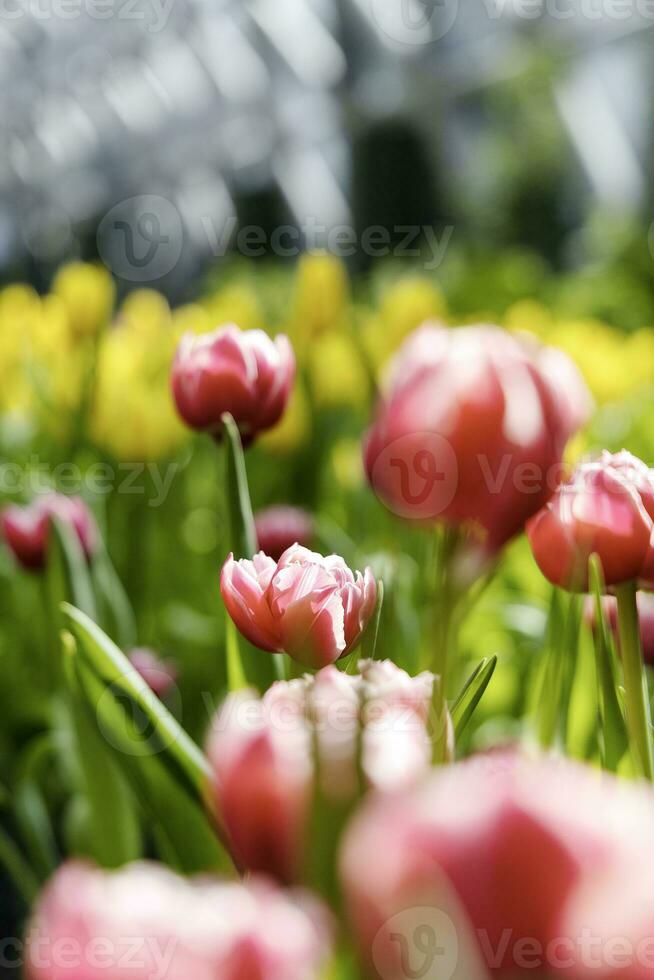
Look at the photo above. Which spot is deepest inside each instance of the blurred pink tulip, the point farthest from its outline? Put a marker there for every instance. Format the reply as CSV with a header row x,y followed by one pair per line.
x,y
244,373
160,675
26,529
472,429
146,923
613,913
262,753
312,608
505,840
601,510
278,528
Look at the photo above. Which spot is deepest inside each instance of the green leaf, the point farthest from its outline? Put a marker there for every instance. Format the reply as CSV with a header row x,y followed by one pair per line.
x,y
178,819
167,771
613,732
114,829
243,537
118,674
471,694
560,664
76,570
118,615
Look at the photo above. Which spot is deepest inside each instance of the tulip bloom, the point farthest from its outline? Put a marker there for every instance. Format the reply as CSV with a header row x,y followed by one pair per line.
x,y
278,528
312,608
602,509
263,754
244,373
143,921
472,428
159,675
501,842
26,529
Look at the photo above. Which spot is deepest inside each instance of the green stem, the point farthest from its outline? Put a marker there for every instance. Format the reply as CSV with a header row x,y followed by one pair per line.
x,y
443,603
638,713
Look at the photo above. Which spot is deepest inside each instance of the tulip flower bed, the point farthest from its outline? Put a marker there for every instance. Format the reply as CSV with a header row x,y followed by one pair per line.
x,y
326,648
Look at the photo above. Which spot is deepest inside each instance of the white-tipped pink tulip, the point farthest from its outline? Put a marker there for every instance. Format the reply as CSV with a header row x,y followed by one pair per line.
x,y
263,754
146,923
27,529
504,844
242,372
315,609
471,428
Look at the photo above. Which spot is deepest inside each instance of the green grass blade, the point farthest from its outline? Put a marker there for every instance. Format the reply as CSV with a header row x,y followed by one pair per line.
x,y
473,691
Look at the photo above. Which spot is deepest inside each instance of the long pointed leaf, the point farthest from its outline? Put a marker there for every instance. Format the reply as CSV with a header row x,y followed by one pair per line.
x,y
114,599
116,672
80,588
114,828
471,694
179,821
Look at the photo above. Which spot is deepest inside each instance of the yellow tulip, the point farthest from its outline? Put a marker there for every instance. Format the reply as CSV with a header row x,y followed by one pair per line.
x,y
294,429
88,293
322,295
405,305
336,374
234,303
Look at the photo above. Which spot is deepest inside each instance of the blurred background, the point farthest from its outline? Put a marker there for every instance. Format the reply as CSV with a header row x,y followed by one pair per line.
x,y
164,136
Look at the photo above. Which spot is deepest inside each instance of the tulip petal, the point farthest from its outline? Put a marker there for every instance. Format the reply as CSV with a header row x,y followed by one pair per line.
x,y
243,596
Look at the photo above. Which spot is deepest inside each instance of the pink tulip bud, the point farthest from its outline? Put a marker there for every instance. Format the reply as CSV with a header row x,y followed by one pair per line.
x,y
503,842
472,428
26,529
600,510
312,608
645,602
159,675
144,922
263,754
244,373
278,528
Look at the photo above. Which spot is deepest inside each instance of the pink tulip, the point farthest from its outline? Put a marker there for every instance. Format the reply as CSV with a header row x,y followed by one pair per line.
x,y
244,373
609,926
500,842
472,429
160,675
601,510
26,529
312,608
146,923
263,753
278,528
